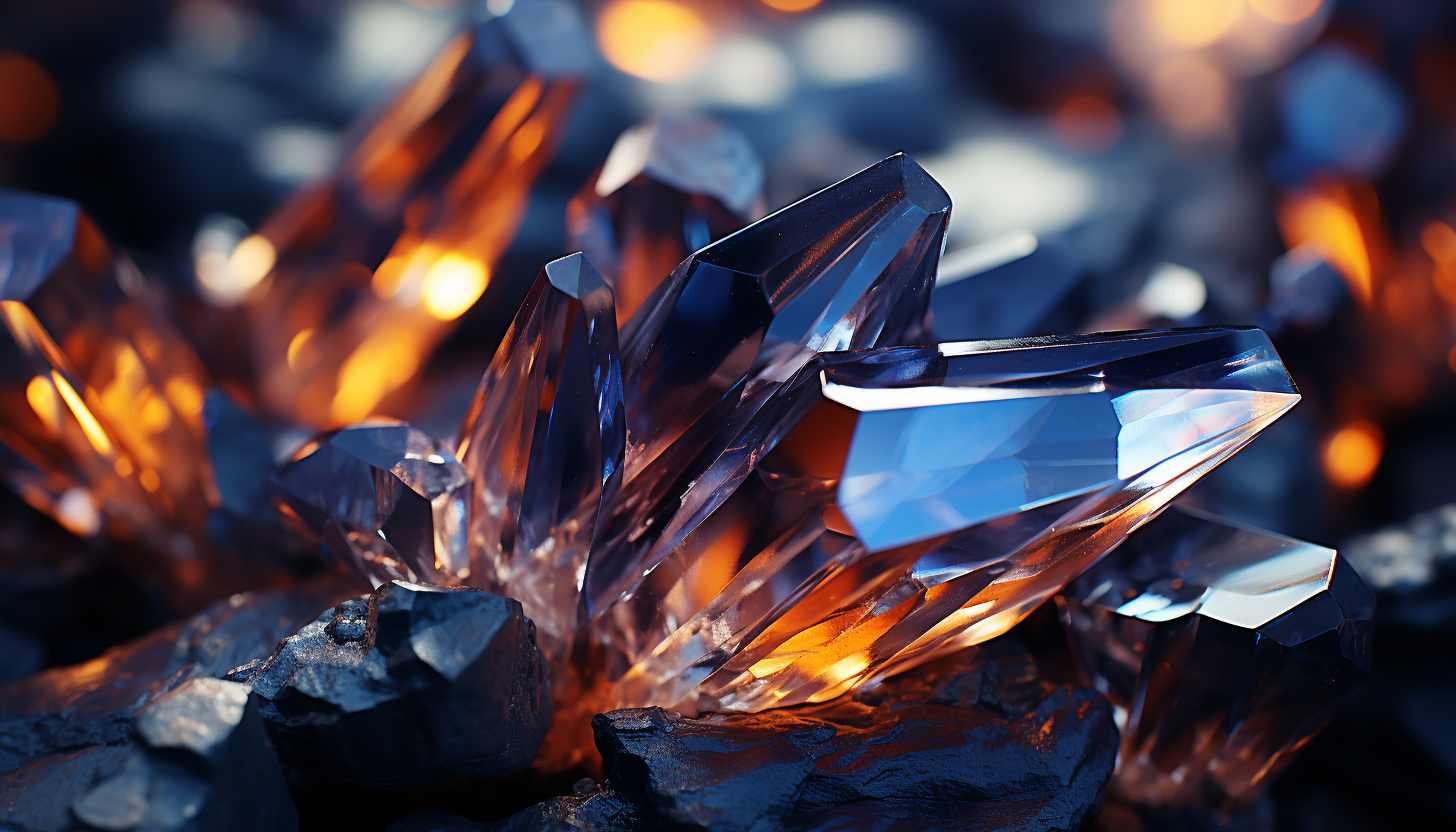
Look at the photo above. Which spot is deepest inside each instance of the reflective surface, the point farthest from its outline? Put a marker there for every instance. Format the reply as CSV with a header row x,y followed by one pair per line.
x,y
670,186
387,501
892,505
1225,650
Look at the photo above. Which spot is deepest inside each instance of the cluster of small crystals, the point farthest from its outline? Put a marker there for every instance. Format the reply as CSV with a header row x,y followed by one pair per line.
x,y
713,456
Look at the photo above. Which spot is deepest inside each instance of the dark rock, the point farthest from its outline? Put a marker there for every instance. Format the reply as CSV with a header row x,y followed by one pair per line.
x,y
974,743
409,687
593,809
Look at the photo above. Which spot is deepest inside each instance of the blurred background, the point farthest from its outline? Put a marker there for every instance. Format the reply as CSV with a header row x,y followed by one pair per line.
x,y
1284,163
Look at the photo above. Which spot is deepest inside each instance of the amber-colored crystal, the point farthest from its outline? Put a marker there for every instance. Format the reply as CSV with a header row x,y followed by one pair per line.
x,y
139,378
359,277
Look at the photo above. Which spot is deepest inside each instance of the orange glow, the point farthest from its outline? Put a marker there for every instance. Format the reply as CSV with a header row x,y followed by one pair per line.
x,y
1326,220
1088,124
1191,95
1439,241
653,39
92,428
791,5
452,285
526,140
250,262
1451,359
296,349
29,100
1353,453
1285,11
385,360
41,396
1193,23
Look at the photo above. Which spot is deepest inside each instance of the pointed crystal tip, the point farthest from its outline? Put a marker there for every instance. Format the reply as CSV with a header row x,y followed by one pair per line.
x,y
694,155
575,275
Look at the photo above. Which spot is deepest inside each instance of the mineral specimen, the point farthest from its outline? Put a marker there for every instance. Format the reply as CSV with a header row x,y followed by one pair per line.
x,y
888,506
848,267
918,756
1007,287
356,279
543,443
409,687
1225,648
591,809
670,186
385,499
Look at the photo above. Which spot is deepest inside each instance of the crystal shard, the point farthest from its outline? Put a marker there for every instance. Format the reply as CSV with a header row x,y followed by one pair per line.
x,y
139,376
894,504
1226,649
543,443
360,276
386,500
846,268
670,186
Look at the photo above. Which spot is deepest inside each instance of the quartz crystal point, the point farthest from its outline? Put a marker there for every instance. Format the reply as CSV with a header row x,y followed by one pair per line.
x,y
543,443
360,276
142,384
1225,648
846,268
895,504
670,186
386,500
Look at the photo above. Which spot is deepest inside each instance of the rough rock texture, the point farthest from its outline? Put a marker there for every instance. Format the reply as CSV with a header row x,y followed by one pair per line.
x,y
591,809
408,687
984,746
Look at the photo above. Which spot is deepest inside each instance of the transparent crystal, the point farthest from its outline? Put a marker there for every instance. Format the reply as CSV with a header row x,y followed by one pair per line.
x,y
387,501
848,267
138,375
1225,648
893,505
1007,287
543,443
368,270
670,186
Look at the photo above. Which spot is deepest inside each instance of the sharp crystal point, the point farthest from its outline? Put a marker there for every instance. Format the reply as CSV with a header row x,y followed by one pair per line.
x,y
892,505
670,186
1227,648
543,443
386,500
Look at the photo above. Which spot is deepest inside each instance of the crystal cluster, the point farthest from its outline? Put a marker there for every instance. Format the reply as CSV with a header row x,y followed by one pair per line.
x,y
1224,648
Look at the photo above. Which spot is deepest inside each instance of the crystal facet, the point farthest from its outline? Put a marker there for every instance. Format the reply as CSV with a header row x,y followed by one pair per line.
x,y
363,274
543,443
891,505
1225,648
846,268
138,375
385,499
670,186
1007,287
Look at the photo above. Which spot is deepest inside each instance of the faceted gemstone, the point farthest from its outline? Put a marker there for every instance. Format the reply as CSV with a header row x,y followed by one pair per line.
x,y
846,268
892,505
1224,648
359,277
385,499
543,443
670,186
1007,287
146,384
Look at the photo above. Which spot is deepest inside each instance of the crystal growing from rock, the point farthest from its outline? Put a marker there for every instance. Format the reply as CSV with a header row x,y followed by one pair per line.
x,y
892,505
1226,649
409,687
543,443
359,277
670,186
386,500
848,267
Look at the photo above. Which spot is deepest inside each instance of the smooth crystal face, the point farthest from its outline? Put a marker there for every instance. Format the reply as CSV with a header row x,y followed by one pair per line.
x,y
1224,648
1008,287
134,369
846,268
893,505
670,186
387,501
365,272
543,443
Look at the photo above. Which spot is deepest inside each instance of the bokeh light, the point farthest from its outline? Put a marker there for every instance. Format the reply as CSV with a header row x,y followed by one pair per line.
x,y
1353,453
653,39
29,100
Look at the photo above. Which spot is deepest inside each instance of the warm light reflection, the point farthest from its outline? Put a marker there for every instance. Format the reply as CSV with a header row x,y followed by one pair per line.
x,y
791,5
40,394
250,263
1089,124
1353,453
1193,23
1285,11
1191,95
653,39
92,428
296,349
1325,219
385,360
29,100
452,285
